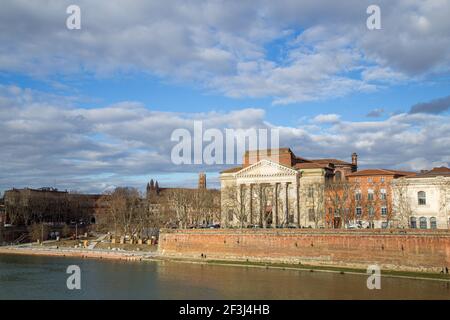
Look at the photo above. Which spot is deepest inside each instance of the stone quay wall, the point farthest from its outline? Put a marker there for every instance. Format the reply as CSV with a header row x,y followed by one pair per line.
x,y
407,250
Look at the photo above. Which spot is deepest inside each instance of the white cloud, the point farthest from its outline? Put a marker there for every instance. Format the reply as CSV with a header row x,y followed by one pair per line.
x,y
327,118
48,141
223,46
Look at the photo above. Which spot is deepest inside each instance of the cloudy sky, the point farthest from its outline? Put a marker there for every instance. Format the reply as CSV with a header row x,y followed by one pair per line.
x,y
94,108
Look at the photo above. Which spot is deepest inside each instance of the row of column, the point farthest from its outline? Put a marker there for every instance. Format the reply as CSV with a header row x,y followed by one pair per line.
x,y
260,219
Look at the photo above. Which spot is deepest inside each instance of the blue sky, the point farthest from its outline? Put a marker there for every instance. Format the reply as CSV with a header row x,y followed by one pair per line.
x,y
94,108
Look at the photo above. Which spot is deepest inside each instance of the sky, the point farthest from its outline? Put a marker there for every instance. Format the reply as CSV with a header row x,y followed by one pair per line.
x,y
94,108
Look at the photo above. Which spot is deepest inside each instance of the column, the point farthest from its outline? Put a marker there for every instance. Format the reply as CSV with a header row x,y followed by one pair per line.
x,y
263,205
242,204
296,205
275,204
286,203
261,218
251,203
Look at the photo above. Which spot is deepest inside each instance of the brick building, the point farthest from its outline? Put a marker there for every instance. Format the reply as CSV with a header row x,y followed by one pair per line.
x,y
373,196
25,206
187,207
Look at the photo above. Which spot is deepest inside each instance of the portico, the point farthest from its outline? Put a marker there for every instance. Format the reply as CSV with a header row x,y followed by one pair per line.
x,y
270,194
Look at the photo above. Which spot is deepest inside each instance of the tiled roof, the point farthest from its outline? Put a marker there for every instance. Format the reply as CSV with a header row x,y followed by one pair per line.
x,y
435,172
333,161
311,165
380,172
232,170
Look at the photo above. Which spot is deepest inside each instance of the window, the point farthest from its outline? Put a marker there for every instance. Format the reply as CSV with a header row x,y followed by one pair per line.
x,y
413,223
422,198
371,211
384,225
358,195
383,194
358,211
423,222
230,215
382,179
370,195
383,211
433,224
370,180
311,215
338,176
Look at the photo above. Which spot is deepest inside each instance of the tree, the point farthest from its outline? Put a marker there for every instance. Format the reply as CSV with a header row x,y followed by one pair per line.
x,y
314,195
126,212
38,231
340,197
401,202
235,204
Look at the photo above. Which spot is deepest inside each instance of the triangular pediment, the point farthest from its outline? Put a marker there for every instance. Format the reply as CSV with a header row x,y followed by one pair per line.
x,y
265,168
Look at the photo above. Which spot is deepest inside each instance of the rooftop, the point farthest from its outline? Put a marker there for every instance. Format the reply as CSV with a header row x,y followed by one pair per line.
x,y
380,172
435,172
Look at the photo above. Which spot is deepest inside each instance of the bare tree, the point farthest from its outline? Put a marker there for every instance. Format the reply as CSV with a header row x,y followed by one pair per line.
x,y
235,204
125,211
340,198
314,195
401,202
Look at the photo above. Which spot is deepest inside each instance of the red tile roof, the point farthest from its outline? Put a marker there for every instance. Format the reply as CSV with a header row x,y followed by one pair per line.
x,y
312,165
380,172
232,170
435,172
331,160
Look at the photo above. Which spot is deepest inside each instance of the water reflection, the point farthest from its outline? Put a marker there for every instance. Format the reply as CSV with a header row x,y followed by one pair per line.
x,y
23,277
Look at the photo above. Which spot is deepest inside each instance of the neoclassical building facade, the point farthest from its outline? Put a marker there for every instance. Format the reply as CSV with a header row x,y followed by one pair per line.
x,y
423,200
275,188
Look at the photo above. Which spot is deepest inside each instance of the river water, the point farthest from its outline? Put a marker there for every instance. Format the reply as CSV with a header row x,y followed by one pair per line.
x,y
38,277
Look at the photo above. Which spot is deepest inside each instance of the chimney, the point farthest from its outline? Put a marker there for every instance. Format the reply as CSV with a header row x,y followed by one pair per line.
x,y
355,160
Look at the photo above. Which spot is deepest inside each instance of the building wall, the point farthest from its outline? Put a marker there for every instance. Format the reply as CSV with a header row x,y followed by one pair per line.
x,y
376,183
437,190
420,250
270,174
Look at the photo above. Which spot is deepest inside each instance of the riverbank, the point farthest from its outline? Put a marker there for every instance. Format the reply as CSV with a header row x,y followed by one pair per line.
x,y
155,256
76,252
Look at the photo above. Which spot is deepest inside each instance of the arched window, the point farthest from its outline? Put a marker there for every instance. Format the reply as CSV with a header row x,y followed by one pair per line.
x,y
422,198
433,224
423,222
413,222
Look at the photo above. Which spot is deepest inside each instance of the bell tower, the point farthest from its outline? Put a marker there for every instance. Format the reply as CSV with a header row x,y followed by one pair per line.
x,y
201,181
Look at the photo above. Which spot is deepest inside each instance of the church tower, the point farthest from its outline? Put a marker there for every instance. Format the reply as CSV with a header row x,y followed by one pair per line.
x,y
202,181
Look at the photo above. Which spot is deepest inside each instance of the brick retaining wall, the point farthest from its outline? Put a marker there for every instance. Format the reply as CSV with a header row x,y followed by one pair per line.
x,y
418,250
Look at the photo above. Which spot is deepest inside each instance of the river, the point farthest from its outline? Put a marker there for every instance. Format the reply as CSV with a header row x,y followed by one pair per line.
x,y
39,277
